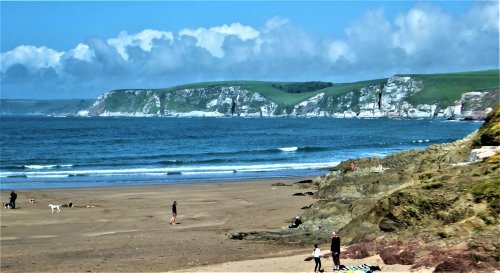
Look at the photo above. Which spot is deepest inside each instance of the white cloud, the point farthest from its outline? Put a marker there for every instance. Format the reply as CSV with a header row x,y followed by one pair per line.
x,y
209,40
486,15
143,39
274,23
421,29
423,39
82,52
339,50
32,57
213,38
236,29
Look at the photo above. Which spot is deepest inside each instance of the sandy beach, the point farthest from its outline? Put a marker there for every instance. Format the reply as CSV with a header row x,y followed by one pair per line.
x,y
126,229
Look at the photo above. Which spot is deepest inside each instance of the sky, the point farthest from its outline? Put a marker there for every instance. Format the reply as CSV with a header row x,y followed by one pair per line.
x,y
75,49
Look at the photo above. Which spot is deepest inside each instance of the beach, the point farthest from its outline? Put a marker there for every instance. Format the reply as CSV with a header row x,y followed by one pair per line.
x,y
126,229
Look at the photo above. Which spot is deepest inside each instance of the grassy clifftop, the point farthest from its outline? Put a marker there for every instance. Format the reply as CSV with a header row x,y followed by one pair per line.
x,y
442,88
271,90
447,88
282,96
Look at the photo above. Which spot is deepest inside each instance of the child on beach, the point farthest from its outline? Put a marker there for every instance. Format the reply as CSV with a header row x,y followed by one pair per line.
x,y
317,259
174,213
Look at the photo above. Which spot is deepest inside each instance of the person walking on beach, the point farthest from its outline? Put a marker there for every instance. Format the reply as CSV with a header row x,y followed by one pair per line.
x,y
317,259
13,197
174,213
335,248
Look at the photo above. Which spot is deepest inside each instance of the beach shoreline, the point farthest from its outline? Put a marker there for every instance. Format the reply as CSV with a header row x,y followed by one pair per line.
x,y
125,228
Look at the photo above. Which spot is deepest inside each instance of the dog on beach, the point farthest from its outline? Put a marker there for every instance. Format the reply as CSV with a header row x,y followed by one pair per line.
x,y
55,207
6,205
32,200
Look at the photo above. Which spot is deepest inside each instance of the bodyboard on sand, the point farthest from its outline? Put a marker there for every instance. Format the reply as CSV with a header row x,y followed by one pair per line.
x,y
323,255
363,268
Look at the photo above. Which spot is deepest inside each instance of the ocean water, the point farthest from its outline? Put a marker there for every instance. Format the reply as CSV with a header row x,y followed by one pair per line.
x,y
50,152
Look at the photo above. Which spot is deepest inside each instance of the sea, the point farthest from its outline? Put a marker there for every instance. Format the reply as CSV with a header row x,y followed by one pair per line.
x,y
69,152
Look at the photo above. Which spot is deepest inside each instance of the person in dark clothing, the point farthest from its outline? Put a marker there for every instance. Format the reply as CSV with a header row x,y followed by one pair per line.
x,y
174,213
13,197
335,248
296,223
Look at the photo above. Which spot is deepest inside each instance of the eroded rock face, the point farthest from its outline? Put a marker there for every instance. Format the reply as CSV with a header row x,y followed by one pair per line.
x,y
476,255
356,251
390,255
451,265
203,101
476,105
422,210
389,99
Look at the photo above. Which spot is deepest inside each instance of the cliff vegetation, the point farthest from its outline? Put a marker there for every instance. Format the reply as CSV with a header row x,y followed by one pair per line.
x,y
468,95
435,208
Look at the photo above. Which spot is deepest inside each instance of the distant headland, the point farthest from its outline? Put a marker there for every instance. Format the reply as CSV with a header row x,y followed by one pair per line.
x,y
464,95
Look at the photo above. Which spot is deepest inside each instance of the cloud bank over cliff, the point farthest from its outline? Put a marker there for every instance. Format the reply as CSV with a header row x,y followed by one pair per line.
x,y
423,39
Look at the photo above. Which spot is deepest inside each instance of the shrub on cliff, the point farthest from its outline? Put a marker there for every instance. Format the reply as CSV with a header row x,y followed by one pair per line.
x,y
489,133
488,190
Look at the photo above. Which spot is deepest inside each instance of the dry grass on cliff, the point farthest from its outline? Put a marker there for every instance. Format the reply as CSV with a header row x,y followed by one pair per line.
x,y
419,198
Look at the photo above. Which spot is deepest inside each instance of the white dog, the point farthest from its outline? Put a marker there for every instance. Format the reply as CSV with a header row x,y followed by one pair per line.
x,y
55,207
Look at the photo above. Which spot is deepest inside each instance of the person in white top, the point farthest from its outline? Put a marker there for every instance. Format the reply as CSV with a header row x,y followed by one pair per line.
x,y
317,259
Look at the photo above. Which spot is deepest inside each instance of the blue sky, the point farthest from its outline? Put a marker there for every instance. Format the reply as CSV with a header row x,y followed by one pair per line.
x,y
83,49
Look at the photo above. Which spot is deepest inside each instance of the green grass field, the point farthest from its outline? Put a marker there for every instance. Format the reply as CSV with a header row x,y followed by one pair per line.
x,y
281,97
447,88
266,89
444,89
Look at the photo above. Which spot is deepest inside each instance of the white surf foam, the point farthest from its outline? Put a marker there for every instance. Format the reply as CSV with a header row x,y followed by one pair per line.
x,y
47,176
288,149
191,170
42,167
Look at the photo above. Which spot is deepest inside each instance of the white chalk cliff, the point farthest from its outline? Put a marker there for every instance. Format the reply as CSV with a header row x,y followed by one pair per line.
x,y
386,100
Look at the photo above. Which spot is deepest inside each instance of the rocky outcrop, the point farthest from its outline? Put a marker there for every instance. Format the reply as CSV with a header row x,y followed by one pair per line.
x,y
473,105
384,99
209,101
420,208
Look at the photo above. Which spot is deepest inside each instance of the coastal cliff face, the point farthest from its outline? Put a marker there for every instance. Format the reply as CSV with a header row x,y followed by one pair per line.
x,y
388,99
391,98
203,101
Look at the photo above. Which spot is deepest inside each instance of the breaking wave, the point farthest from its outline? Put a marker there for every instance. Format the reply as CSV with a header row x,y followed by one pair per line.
x,y
191,170
288,149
